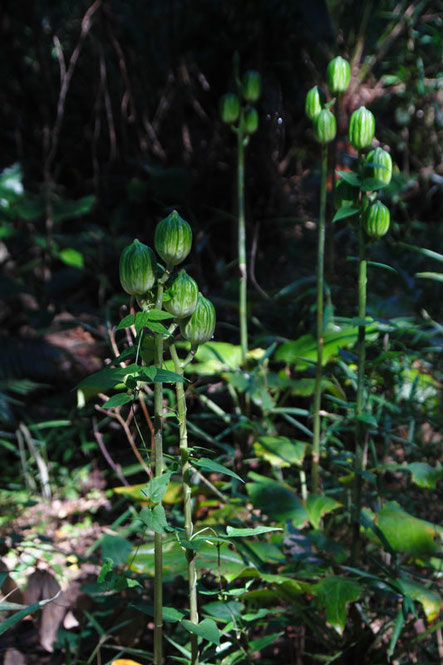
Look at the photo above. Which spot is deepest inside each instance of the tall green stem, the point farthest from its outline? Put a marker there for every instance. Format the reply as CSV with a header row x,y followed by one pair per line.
x,y
242,239
359,425
157,471
186,480
320,320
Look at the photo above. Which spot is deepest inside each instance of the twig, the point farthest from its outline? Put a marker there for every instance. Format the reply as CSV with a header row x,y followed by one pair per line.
x,y
115,467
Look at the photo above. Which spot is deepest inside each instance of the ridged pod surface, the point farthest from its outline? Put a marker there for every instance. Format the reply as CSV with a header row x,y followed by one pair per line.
x,y
251,86
200,326
338,75
173,239
251,120
361,128
184,295
315,98
383,169
376,220
229,108
345,195
325,126
137,268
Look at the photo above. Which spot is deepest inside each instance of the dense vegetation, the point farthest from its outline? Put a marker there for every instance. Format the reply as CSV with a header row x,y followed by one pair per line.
x,y
287,468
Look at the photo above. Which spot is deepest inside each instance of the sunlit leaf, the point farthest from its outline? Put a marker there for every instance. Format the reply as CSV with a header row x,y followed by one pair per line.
x,y
232,532
430,600
318,505
72,257
118,400
209,465
334,593
406,533
207,629
280,451
275,499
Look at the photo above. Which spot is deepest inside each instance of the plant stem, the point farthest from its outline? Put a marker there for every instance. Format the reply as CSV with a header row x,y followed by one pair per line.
x,y
320,321
157,471
359,425
186,479
242,239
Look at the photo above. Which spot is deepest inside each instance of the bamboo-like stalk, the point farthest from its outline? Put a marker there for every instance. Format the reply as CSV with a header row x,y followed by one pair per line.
x,y
157,471
361,358
320,321
179,366
241,238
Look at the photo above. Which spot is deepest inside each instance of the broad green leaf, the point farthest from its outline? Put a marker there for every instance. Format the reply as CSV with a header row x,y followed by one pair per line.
x,y
424,475
334,593
157,487
263,642
430,600
280,451
232,532
275,499
318,505
126,322
372,184
350,177
207,629
158,315
216,357
108,377
209,465
72,257
118,400
169,614
345,211
166,376
436,276
406,533
115,548
224,610
155,519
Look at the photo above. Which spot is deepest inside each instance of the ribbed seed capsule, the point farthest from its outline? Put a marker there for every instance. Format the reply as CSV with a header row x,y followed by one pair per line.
x,y
137,268
229,108
173,239
361,128
376,220
251,86
380,164
325,126
184,295
315,98
251,120
338,75
200,326
345,195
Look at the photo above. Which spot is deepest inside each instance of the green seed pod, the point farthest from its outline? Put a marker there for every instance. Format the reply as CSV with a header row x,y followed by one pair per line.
x,y
361,128
382,169
315,99
376,220
173,239
137,268
251,86
200,326
338,75
184,294
325,126
251,120
229,108
345,195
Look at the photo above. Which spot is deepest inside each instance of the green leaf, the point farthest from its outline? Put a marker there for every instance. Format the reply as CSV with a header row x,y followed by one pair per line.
x,y
207,629
406,533
157,328
372,185
166,376
424,475
345,211
157,487
263,642
232,532
350,177
126,322
71,257
107,378
436,276
65,209
319,505
430,600
383,266
158,315
118,400
280,451
21,614
209,465
429,253
275,499
334,593
224,610
116,549
169,614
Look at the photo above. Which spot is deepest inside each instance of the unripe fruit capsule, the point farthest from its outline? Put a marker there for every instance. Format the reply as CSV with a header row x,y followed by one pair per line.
x,y
184,295
173,239
338,75
251,86
376,220
200,326
315,98
229,108
251,120
137,268
361,128
325,126
380,164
